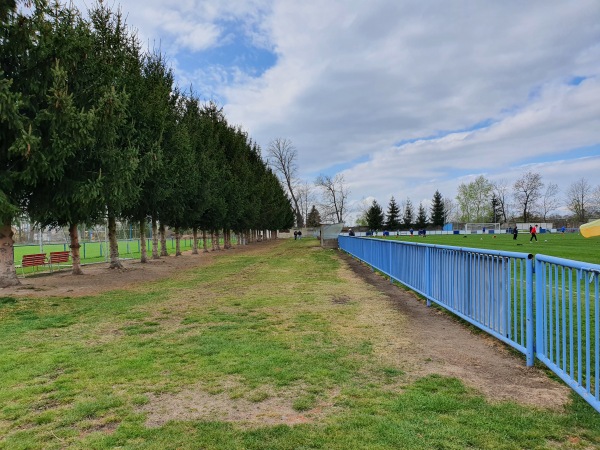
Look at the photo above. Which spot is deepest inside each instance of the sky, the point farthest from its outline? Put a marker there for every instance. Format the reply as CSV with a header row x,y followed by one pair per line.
x,y
401,97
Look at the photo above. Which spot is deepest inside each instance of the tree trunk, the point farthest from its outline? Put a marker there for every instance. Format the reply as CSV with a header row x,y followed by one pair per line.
x,y
75,246
177,242
204,241
274,234
212,241
226,237
113,243
163,240
218,238
195,243
143,251
155,254
8,273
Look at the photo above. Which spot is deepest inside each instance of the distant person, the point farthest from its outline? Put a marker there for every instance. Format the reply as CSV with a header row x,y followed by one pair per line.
x,y
295,234
351,232
533,234
411,231
515,233
299,234
562,230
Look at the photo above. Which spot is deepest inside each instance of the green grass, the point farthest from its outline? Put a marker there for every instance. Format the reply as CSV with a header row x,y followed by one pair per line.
x,y
92,252
81,372
569,246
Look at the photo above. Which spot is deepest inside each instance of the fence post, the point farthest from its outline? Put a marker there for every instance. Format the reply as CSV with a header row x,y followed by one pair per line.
x,y
530,348
427,273
84,250
390,270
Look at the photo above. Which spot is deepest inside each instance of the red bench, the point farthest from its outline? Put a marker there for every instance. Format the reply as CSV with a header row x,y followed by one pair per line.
x,y
35,260
56,258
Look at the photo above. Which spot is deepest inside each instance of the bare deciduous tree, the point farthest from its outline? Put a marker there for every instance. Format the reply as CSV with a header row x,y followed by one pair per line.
x,y
549,200
596,201
502,189
335,195
579,199
450,209
305,192
282,157
527,192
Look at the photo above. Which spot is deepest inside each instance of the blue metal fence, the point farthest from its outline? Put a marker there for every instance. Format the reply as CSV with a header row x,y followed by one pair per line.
x,y
568,323
495,292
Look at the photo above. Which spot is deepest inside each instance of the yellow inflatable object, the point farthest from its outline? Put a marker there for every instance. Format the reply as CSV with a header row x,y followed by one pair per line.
x,y
590,229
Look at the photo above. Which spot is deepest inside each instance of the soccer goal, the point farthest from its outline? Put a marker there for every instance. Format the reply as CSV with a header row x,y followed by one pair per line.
x,y
483,227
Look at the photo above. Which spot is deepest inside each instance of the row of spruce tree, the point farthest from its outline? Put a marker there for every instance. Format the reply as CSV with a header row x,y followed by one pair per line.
x,y
377,220
94,129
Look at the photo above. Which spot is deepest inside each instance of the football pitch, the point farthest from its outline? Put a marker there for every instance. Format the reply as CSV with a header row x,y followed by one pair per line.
x,y
569,245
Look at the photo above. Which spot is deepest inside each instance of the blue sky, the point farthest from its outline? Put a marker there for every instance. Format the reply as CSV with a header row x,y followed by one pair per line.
x,y
402,97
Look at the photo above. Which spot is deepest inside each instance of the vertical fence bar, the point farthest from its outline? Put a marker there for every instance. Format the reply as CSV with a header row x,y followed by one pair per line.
x,y
571,334
579,327
529,318
587,335
597,310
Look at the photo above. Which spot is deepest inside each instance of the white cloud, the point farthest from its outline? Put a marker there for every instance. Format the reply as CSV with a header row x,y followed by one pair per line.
x,y
354,78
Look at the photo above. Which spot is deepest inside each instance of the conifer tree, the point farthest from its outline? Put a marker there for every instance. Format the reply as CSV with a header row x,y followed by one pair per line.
x,y
375,217
392,222
314,218
438,213
116,65
29,82
421,220
407,218
67,126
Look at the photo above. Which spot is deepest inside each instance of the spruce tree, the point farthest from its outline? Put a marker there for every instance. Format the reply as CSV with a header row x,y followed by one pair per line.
x,y
314,218
392,222
438,212
421,220
407,218
32,91
375,217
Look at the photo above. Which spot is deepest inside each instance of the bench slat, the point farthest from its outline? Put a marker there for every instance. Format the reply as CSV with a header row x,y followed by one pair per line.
x,y
38,259
58,257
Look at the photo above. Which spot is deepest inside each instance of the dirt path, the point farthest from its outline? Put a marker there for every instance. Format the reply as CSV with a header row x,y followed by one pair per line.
x,y
441,345
430,342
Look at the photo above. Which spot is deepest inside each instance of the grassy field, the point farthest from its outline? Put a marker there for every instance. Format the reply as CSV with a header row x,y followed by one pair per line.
x,y
569,245
94,252
277,328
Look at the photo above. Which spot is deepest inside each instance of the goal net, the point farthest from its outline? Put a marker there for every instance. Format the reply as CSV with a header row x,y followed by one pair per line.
x,y
474,227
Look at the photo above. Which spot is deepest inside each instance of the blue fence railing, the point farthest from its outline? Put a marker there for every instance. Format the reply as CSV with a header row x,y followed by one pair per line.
x,y
495,292
568,322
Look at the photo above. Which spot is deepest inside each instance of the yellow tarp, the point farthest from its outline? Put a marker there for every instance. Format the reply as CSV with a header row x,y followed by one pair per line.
x,y
590,229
